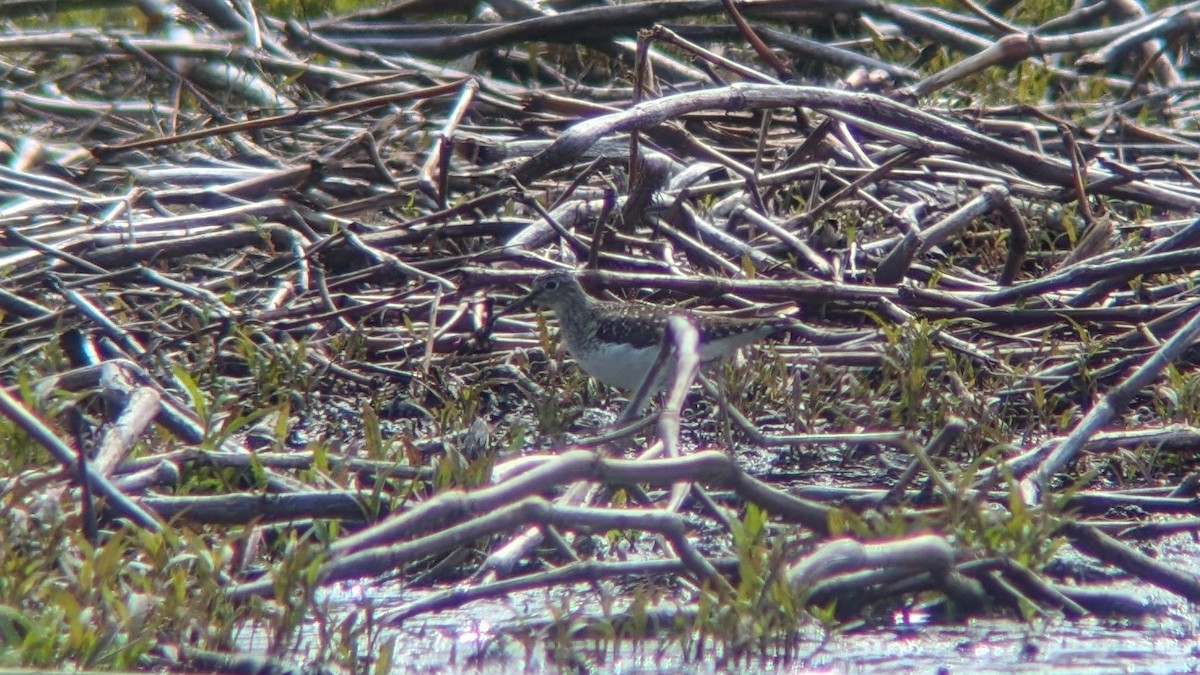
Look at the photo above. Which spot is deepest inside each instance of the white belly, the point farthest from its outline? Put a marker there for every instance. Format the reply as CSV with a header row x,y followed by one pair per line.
x,y
621,368
624,368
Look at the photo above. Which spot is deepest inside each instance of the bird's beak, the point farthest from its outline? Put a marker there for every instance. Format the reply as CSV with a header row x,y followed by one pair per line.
x,y
519,305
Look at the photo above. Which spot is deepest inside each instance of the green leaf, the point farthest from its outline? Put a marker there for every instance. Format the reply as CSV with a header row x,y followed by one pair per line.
x,y
193,392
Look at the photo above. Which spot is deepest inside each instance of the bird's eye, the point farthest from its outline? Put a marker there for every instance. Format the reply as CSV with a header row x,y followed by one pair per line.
x,y
551,285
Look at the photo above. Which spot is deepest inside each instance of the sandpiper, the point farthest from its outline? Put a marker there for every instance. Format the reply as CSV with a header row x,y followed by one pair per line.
x,y
617,342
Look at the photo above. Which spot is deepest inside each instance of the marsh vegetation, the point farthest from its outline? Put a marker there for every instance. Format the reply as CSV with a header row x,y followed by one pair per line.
x,y
260,410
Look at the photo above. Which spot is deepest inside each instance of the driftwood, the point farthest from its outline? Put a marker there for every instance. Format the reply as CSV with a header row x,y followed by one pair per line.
x,y
997,297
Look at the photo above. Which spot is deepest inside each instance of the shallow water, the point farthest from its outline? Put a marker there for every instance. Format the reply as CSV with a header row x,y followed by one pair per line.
x,y
472,638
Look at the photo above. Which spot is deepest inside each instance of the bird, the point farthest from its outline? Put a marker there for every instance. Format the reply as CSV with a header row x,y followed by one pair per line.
x,y
617,343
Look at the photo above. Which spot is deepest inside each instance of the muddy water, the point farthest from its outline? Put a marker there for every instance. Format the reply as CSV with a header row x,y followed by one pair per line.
x,y
475,638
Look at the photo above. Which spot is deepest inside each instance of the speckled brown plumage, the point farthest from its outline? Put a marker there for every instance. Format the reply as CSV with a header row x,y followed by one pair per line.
x,y
617,342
